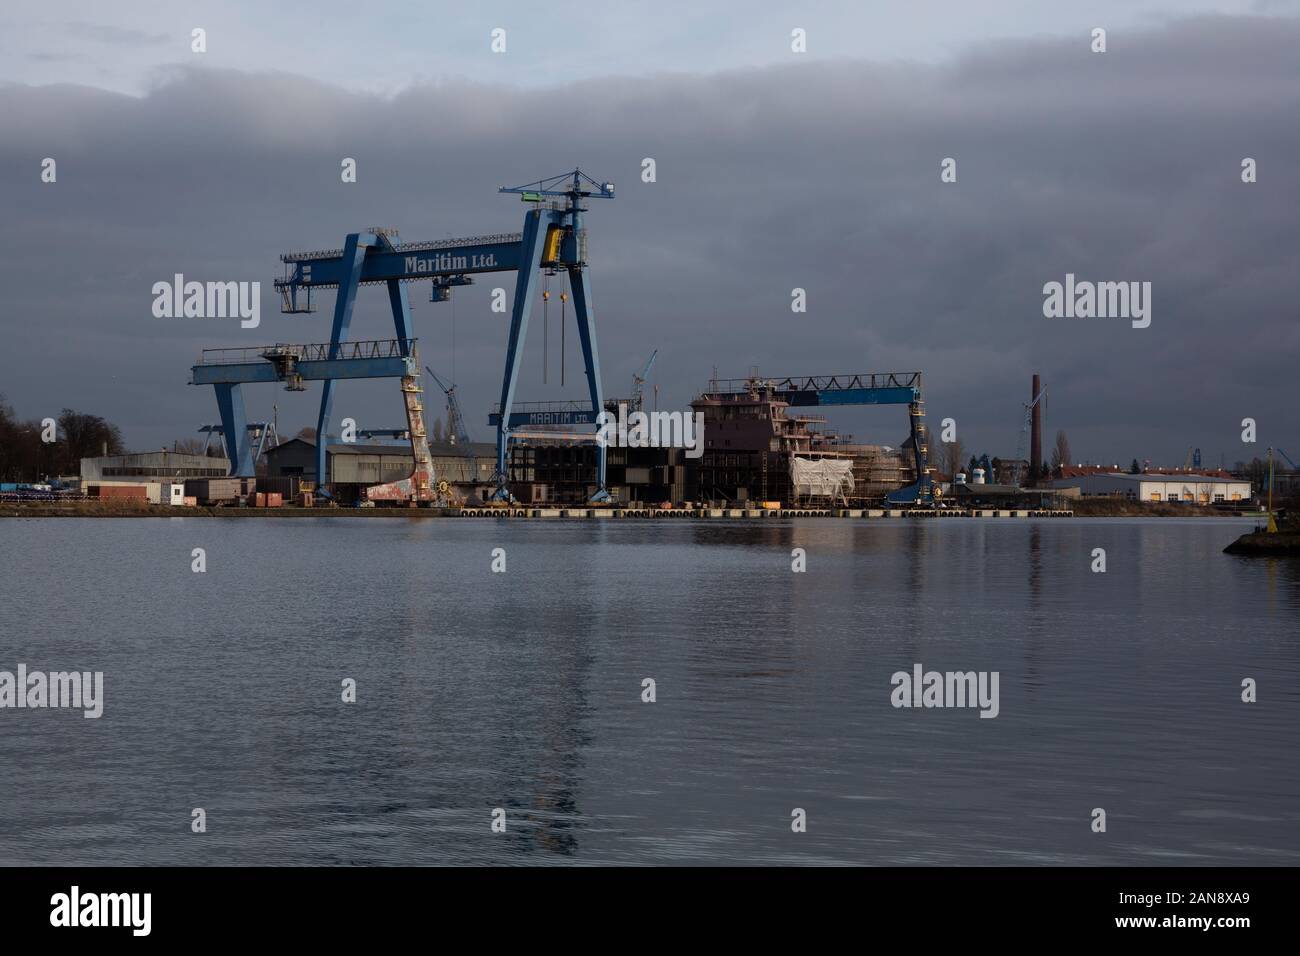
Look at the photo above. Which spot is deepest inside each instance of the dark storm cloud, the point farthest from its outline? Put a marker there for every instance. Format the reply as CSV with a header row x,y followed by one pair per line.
x,y
1120,166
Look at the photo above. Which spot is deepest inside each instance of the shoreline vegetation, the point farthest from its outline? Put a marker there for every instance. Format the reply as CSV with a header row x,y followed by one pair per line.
x,y
1124,508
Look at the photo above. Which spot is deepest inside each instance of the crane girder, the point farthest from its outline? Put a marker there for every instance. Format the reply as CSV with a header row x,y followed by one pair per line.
x,y
403,263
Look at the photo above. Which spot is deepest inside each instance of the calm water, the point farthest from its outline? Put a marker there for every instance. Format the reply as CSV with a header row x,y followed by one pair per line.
x,y
522,690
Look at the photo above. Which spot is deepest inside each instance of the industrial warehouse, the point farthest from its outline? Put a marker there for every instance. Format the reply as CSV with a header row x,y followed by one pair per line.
x,y
1201,489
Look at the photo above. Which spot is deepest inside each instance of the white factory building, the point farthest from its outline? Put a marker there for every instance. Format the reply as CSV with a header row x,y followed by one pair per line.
x,y
1197,489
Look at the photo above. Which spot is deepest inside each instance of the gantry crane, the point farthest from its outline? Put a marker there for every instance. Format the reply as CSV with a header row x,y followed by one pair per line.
x,y
227,370
553,238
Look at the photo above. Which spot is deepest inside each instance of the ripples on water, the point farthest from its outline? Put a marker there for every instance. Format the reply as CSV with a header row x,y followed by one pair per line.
x,y
523,690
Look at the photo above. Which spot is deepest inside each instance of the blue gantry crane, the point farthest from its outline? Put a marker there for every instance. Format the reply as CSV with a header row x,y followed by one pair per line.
x,y
553,238
227,370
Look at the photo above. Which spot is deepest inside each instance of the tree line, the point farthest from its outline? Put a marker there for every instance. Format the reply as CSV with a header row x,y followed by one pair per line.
x,y
998,469
26,456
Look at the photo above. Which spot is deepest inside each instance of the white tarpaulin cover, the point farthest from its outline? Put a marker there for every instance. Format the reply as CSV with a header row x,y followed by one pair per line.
x,y
824,477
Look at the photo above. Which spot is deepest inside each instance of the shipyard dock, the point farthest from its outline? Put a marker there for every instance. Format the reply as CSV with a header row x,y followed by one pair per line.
x,y
750,513
143,509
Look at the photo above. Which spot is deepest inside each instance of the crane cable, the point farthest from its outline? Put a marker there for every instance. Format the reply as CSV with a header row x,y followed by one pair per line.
x,y
546,325
564,297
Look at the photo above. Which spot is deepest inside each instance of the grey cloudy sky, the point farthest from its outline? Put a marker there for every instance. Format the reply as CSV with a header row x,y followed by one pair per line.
x,y
774,171
385,46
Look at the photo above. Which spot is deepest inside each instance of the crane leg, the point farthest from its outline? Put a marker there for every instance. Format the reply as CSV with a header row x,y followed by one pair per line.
x,y
354,252
424,479
586,320
234,429
918,453
530,258
401,306
920,490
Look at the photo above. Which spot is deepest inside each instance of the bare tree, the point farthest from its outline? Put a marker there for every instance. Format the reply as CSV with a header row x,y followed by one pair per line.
x,y
82,435
952,455
1061,451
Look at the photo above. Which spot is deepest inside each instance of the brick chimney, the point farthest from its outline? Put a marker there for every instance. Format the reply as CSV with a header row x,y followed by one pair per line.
x,y
1035,434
